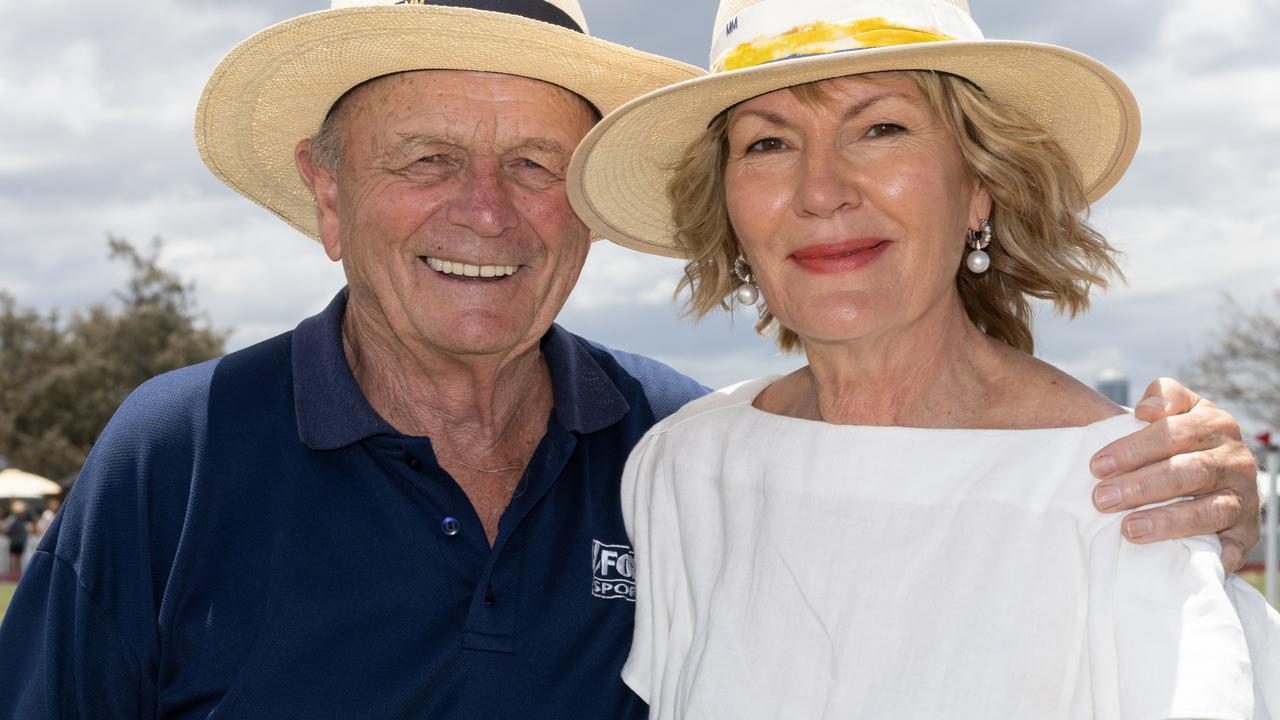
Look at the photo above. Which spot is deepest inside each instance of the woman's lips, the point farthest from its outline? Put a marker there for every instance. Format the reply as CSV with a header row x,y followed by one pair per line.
x,y
840,256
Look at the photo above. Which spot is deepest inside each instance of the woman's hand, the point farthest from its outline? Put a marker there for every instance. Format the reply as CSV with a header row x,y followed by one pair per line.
x,y
1191,449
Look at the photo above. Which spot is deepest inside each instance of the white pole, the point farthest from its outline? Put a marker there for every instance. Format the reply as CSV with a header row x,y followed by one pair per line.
x,y
1273,514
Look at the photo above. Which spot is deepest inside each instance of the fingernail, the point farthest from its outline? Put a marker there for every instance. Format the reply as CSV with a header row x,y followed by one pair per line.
x,y
1152,402
1106,496
1139,528
1103,466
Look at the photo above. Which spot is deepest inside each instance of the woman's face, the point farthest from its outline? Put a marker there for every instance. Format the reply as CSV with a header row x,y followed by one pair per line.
x,y
851,211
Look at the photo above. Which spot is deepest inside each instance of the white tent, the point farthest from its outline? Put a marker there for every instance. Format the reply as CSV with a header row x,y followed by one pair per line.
x,y
15,483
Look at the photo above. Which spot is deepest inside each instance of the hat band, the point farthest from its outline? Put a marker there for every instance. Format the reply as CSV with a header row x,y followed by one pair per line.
x,y
783,29
540,10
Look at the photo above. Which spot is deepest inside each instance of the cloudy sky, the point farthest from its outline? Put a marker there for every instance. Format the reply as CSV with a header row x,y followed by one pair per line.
x,y
97,99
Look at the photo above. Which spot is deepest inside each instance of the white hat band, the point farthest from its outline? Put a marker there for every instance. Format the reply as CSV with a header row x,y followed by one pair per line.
x,y
780,29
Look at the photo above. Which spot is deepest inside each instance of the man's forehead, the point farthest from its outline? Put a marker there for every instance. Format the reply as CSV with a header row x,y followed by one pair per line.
x,y
454,89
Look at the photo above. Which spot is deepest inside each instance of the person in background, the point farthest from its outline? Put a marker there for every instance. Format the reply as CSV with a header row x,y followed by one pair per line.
x,y
17,528
46,518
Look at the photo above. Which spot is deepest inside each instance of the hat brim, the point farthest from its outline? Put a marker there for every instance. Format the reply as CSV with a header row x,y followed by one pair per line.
x,y
275,88
619,174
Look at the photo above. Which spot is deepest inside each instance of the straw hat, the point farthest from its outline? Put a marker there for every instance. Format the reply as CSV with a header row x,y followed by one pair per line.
x,y
275,88
618,177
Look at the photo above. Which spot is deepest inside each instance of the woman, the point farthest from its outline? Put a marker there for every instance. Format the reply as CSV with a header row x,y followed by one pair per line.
x,y
898,529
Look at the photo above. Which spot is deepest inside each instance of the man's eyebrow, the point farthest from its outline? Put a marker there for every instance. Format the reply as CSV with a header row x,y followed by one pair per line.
x,y
409,140
413,139
546,145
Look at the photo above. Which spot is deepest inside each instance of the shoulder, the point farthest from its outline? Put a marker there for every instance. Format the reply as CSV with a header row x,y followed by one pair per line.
x,y
666,389
1034,394
161,409
710,410
173,407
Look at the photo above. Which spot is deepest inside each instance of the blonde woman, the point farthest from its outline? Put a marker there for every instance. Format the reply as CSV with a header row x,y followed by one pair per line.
x,y
902,528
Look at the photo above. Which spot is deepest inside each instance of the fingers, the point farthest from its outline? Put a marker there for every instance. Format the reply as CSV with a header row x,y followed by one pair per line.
x,y
1233,553
1180,476
1201,516
1165,397
1203,428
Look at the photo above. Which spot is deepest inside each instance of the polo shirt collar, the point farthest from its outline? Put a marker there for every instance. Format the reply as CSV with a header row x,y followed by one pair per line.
x,y
332,411
586,398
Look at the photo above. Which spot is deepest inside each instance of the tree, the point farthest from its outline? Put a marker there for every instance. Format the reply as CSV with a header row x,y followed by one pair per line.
x,y
1242,364
61,381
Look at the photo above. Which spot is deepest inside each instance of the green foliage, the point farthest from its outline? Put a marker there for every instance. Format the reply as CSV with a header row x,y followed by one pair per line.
x,y
60,381
1242,364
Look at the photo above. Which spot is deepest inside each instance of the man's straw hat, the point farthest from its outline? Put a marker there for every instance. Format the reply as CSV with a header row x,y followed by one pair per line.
x,y
275,88
618,177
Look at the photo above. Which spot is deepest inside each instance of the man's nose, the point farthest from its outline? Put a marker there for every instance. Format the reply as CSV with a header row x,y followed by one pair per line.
x,y
484,206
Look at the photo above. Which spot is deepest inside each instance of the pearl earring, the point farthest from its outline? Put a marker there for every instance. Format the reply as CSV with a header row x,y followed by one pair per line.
x,y
748,293
978,261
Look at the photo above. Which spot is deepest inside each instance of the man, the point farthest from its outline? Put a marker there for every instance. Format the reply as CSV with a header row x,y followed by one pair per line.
x,y
408,507
17,528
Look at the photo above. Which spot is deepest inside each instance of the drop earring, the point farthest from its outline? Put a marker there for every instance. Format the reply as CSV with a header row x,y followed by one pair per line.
x,y
748,293
978,261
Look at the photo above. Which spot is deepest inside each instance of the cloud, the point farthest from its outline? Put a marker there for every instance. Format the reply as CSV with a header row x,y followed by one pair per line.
x,y
99,101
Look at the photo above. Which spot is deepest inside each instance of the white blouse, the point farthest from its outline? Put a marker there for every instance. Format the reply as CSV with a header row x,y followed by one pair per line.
x,y
796,569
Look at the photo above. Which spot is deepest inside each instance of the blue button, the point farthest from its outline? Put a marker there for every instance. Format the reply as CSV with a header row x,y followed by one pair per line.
x,y
450,526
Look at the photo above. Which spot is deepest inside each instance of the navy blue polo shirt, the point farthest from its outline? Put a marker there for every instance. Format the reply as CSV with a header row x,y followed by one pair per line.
x,y
250,539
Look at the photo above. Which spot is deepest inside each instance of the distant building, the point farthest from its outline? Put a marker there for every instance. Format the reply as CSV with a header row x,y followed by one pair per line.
x,y
1115,389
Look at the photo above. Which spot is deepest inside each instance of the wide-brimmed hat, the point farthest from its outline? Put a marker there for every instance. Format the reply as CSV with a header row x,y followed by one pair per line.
x,y
275,88
619,175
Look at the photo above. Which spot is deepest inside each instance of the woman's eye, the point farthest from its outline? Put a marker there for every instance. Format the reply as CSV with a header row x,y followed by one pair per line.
x,y
885,130
766,145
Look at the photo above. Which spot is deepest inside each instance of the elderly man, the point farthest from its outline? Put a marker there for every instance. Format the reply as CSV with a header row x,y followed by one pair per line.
x,y
408,506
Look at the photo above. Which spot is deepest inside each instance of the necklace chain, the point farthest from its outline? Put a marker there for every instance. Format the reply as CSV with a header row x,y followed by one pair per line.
x,y
504,468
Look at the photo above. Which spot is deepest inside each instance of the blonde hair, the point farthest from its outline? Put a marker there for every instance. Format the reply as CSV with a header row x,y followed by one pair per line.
x,y
1043,247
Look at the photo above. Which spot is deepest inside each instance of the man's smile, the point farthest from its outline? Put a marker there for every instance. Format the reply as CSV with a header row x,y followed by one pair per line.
x,y
456,267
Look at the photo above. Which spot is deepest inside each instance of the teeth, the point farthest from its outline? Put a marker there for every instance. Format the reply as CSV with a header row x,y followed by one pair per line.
x,y
453,267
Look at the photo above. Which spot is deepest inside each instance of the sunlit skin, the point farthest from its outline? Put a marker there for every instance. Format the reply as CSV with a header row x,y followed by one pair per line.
x,y
459,168
872,177
466,167
852,215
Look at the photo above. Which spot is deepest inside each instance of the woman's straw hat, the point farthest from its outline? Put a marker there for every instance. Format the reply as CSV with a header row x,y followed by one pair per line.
x,y
618,177
275,88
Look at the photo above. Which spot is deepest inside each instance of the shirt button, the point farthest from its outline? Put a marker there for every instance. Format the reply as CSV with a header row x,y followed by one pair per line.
x,y
450,526
413,462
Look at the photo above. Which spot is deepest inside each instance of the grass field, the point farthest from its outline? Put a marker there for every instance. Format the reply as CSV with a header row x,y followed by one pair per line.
x,y
1254,579
6,592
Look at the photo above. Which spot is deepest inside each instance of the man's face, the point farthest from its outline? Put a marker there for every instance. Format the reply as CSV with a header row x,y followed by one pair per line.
x,y
449,211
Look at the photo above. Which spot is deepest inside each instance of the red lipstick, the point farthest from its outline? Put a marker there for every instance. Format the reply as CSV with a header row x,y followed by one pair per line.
x,y
840,256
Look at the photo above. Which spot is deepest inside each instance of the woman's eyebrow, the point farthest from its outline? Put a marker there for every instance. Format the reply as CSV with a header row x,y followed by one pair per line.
x,y
852,112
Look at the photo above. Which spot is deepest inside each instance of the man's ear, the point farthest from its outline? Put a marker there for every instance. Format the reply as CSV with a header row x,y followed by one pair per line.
x,y
325,187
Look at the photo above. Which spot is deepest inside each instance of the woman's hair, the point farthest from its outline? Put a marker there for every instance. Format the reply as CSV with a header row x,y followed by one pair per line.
x,y
1042,246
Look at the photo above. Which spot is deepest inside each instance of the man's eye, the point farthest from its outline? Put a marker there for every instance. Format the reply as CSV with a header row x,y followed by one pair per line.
x,y
434,162
766,145
885,130
527,164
